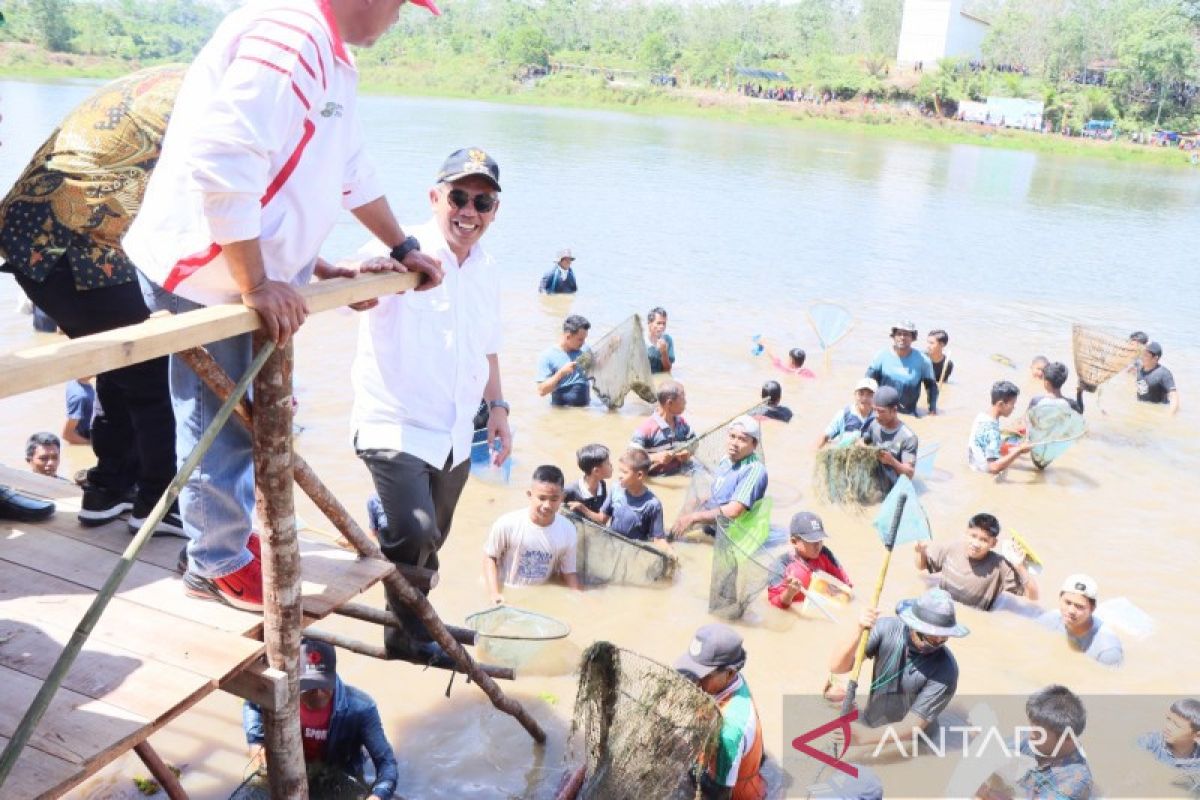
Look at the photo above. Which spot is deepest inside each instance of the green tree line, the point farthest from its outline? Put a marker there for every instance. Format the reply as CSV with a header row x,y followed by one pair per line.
x,y
1134,60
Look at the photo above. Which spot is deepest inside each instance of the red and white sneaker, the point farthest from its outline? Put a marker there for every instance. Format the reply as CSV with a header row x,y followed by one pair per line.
x,y
254,545
242,589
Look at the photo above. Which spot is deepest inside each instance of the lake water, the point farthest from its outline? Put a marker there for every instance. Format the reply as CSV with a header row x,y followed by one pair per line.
x,y
736,230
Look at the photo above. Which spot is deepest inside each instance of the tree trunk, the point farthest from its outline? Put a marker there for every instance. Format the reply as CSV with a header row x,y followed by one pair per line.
x,y
272,435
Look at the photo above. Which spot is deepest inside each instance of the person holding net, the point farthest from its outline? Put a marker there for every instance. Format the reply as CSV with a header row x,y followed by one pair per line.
x,y
740,480
662,433
636,513
660,347
854,417
558,375
714,662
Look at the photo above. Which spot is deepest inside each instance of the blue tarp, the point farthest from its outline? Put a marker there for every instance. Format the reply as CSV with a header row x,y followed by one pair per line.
x,y
762,74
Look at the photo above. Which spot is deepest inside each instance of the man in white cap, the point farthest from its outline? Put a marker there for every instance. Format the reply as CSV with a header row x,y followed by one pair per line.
x,y
740,482
915,675
1075,617
905,370
714,661
561,277
855,416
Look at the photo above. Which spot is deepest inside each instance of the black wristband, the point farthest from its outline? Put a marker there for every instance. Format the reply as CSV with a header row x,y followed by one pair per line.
x,y
404,248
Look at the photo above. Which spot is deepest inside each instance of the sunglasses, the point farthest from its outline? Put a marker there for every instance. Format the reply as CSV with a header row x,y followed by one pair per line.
x,y
483,202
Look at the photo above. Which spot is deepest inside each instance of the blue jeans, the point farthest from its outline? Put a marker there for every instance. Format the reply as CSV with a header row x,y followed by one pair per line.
x,y
217,501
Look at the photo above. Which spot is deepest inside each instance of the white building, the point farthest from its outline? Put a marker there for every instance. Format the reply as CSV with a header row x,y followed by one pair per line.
x,y
935,29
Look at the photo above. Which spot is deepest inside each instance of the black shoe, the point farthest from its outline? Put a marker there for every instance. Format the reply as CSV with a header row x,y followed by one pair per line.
x,y
103,505
170,525
22,508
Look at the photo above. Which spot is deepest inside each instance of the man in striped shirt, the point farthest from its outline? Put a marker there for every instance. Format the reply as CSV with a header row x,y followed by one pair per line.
x,y
262,152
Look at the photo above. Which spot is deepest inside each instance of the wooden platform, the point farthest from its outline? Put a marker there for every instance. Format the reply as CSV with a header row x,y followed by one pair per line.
x,y
154,653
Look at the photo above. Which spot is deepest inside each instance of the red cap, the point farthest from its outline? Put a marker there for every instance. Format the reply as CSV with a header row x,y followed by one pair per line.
x,y
432,6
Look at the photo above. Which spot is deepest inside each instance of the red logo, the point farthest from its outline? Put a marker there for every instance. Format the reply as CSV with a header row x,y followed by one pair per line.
x,y
314,656
842,723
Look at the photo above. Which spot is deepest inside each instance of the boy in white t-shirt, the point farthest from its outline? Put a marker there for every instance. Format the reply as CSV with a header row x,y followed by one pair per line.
x,y
529,546
984,447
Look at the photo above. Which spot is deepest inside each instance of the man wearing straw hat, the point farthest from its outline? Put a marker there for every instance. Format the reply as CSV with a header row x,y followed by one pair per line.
x,y
915,675
905,370
561,278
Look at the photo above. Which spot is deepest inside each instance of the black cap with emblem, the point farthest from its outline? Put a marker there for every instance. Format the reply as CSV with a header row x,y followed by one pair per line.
x,y
469,161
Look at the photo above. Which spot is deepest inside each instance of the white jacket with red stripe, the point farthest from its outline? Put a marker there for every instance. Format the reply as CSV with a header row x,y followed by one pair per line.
x,y
264,142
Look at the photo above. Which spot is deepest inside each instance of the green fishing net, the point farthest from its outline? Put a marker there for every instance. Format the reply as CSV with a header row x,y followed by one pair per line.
x,y
617,364
745,561
640,728
830,322
605,556
512,637
848,475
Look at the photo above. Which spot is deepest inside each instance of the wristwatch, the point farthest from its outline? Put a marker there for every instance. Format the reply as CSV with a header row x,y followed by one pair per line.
x,y
499,404
404,248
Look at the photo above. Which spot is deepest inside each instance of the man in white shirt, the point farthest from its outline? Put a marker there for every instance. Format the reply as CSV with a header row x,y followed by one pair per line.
x,y
529,546
262,151
424,360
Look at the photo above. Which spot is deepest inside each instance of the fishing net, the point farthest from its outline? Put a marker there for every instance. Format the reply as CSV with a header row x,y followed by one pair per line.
x,y
745,561
709,448
325,782
639,728
1100,355
617,364
511,637
605,556
848,475
1053,427
830,322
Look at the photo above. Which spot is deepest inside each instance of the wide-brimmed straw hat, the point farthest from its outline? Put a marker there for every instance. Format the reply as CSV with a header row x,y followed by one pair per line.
x,y
931,614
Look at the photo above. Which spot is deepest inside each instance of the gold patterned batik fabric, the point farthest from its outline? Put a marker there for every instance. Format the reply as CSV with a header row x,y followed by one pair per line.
x,y
84,186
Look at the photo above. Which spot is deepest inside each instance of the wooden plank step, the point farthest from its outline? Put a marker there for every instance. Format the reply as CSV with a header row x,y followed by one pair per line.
x,y
102,671
75,728
42,600
37,774
89,566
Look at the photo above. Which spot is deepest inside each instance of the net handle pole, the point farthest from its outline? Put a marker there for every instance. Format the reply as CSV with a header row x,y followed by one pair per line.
x,y
691,443
860,653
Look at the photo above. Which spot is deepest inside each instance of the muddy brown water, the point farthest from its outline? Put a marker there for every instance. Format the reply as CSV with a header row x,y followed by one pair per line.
x,y
735,230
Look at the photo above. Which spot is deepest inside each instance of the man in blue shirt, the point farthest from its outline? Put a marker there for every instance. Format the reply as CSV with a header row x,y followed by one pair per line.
x,y
81,402
740,482
557,375
561,278
905,370
337,722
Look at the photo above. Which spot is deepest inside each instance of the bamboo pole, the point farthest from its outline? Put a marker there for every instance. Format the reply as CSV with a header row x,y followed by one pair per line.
x,y
282,609
216,380
378,651
58,672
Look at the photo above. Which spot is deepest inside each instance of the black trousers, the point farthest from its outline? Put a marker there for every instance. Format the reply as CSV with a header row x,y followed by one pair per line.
x,y
134,437
419,503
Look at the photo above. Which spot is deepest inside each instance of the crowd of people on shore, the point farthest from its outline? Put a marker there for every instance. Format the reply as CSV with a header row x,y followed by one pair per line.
x,y
256,149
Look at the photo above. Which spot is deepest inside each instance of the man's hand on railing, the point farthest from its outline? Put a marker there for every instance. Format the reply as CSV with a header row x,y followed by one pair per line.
x,y
324,271
428,268
281,307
